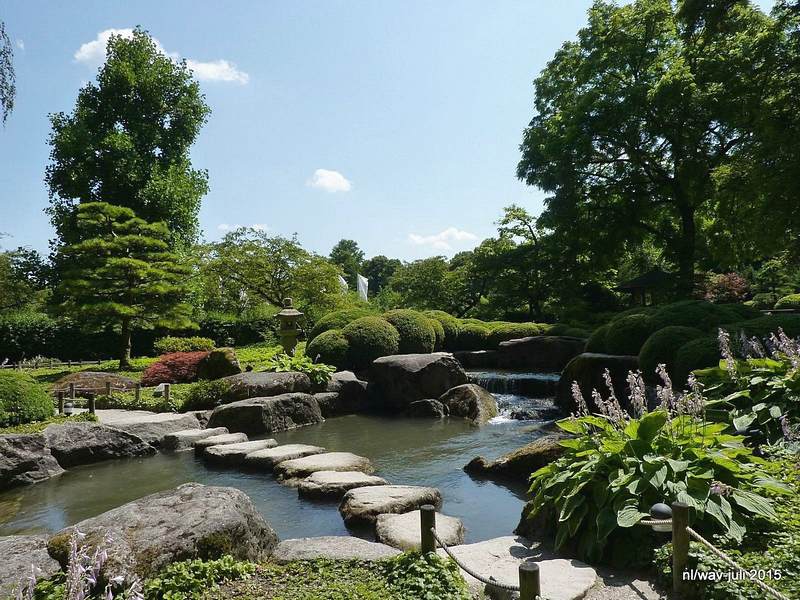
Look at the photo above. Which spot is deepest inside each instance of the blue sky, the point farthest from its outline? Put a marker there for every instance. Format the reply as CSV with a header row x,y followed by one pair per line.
x,y
396,124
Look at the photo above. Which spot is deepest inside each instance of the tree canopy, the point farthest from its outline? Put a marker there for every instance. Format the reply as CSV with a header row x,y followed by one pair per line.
x,y
8,89
349,257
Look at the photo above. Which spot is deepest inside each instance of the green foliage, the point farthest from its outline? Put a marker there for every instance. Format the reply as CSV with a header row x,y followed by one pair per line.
x,y
439,335
764,301
661,348
147,400
319,373
762,327
450,326
37,426
204,395
169,344
695,354
22,400
337,320
790,301
348,256
472,337
627,334
23,279
512,331
415,576
194,579
331,347
379,270
597,341
416,332
701,314
370,338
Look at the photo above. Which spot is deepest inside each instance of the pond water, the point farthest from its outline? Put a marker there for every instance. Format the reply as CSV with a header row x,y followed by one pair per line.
x,y
404,451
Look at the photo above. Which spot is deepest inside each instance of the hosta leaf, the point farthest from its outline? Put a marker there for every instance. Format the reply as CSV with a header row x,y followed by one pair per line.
x,y
606,522
632,429
678,466
775,411
571,426
612,446
772,485
598,422
650,424
658,477
573,443
742,422
714,509
570,505
576,519
629,515
687,498
757,505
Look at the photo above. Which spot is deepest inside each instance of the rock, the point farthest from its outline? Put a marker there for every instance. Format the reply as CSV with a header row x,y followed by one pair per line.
x,y
20,554
403,531
80,443
267,415
260,385
587,369
332,548
397,381
266,460
233,454
470,401
427,408
328,403
93,382
334,484
520,463
185,439
477,359
150,426
298,468
539,414
202,416
363,505
218,440
352,392
548,353
190,521
24,459
500,558
219,363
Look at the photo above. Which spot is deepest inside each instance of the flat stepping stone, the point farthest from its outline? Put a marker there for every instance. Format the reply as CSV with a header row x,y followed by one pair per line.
x,y
331,547
562,579
185,439
334,484
150,426
267,459
233,454
300,468
363,505
219,440
403,531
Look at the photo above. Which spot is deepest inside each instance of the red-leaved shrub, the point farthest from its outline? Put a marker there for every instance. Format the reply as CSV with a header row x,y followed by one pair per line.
x,y
178,367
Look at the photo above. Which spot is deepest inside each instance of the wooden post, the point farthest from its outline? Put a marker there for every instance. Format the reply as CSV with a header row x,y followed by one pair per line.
x,y
72,391
680,546
91,403
166,393
108,389
427,520
69,363
530,586
61,402
137,392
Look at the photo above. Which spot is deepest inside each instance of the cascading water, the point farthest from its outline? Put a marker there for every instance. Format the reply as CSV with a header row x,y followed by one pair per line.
x,y
520,396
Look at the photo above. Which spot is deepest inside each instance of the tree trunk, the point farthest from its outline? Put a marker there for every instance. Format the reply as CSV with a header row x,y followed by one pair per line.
x,y
686,252
125,348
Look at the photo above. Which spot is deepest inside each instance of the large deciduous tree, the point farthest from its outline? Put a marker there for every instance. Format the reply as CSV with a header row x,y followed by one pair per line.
x,y
349,257
127,142
121,273
634,119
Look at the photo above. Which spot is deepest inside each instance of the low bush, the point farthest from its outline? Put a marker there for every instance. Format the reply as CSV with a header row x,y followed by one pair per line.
x,y
700,353
514,331
701,314
417,335
204,395
22,400
318,373
764,301
195,579
472,337
337,320
178,367
147,401
369,338
597,341
627,335
170,344
450,325
438,331
38,426
763,326
329,347
661,348
790,301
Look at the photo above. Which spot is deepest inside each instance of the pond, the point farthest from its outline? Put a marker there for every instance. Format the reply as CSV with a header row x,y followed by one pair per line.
x,y
404,451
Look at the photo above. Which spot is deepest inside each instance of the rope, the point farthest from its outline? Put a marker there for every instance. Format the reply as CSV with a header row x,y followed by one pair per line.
x,y
652,522
731,563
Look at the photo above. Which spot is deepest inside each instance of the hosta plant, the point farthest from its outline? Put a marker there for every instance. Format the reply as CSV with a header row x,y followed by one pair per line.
x,y
617,465
319,373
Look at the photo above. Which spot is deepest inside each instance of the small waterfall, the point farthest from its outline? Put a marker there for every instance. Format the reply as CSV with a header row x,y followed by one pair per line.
x,y
520,396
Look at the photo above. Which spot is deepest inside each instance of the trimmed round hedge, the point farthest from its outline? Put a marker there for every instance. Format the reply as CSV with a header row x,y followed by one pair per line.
x,y
597,341
762,327
764,301
662,346
472,337
449,324
701,314
438,331
369,338
626,336
417,335
337,320
514,331
22,400
331,347
700,353
790,301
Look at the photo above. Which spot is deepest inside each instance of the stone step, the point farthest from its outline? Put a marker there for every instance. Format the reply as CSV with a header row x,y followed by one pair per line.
x,y
185,439
331,547
266,459
403,531
150,426
361,506
300,468
332,485
234,454
219,440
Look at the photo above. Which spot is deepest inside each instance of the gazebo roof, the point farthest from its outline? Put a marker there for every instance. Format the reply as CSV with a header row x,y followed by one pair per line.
x,y
651,279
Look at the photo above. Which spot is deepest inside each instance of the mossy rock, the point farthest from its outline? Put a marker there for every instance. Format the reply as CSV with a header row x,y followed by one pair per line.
x,y
330,347
597,341
661,348
338,319
369,338
504,332
219,363
696,354
790,301
450,325
417,335
626,336
473,337
22,400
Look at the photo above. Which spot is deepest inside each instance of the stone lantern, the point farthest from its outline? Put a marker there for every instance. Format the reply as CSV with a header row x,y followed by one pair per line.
x,y
289,331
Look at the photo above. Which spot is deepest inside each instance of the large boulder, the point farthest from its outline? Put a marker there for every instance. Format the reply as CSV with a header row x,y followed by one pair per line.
x,y
260,385
520,463
185,439
299,468
332,548
427,409
397,381
21,554
470,401
188,522
587,369
25,459
549,353
93,382
403,531
363,505
268,415
352,393
477,359
219,363
324,485
80,443
150,426
266,459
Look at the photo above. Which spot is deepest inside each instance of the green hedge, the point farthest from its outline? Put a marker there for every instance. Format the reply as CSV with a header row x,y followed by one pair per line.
x,y
513,331
762,327
597,341
697,354
701,314
170,344
450,325
472,337
337,320
627,335
438,331
417,335
22,400
331,347
662,346
764,301
790,301
369,338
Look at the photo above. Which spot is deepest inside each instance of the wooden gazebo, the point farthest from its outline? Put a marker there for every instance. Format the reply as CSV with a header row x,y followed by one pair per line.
x,y
646,288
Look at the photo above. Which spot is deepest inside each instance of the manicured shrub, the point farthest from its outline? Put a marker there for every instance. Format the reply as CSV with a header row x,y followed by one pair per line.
x,y
597,341
170,344
764,301
472,337
762,327
514,331
219,363
205,395
790,301
417,335
22,400
662,346
449,324
700,353
329,347
701,314
438,331
576,332
178,367
628,334
369,338
337,320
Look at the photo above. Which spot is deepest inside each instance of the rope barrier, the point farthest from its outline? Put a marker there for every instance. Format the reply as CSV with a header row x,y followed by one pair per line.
x,y
656,522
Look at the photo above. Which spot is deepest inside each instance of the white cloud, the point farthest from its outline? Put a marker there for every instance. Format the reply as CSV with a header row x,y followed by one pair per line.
x,y
21,45
94,53
330,181
442,240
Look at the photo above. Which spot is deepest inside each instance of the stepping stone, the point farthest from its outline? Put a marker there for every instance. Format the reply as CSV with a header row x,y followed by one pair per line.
x,y
331,547
334,484
266,460
562,579
403,531
219,440
185,439
300,468
150,426
363,505
233,454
